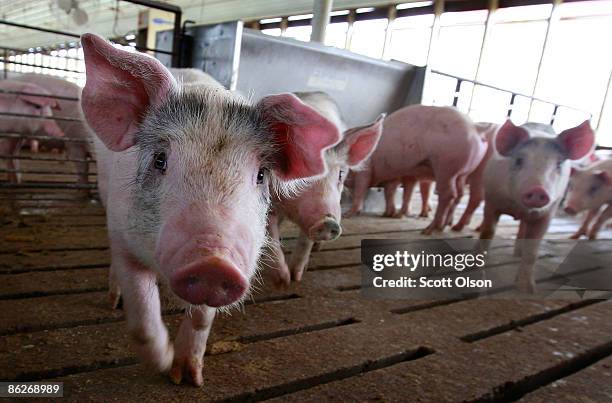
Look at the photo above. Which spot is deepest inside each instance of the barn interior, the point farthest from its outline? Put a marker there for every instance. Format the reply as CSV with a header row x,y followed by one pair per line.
x,y
323,338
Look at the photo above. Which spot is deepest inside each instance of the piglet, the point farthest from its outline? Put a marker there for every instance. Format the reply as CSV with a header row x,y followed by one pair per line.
x,y
527,180
28,99
440,142
589,190
184,173
316,210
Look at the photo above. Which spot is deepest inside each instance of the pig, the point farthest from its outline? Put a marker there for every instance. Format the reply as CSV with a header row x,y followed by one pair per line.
x,y
476,179
589,190
185,173
316,210
527,179
439,140
24,99
77,150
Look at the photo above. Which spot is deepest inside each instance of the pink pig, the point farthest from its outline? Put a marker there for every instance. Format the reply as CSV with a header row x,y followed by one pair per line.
x,y
424,140
316,210
590,189
25,103
527,180
75,130
184,174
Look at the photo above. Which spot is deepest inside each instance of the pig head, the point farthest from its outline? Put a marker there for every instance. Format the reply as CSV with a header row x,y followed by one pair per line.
x,y
316,210
539,165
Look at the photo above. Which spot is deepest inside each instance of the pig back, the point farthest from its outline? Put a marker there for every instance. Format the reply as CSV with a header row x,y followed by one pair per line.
x,y
442,136
68,109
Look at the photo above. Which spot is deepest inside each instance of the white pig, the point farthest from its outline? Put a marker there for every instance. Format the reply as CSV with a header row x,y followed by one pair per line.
x,y
590,189
527,180
185,174
316,210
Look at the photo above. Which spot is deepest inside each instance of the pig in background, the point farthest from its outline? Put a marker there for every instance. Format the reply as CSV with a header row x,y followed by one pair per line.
x,y
316,208
418,140
24,104
73,130
185,174
424,178
527,178
590,189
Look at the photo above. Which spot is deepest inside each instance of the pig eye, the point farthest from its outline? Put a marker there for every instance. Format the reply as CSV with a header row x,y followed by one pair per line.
x,y
261,176
160,162
518,162
593,189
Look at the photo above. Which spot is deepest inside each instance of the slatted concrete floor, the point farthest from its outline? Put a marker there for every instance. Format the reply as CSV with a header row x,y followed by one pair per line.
x,y
316,341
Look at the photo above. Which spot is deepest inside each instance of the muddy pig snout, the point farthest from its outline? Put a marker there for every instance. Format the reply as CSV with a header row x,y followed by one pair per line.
x,y
536,197
327,229
213,281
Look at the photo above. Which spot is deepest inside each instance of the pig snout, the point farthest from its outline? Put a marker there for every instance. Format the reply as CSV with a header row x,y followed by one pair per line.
x,y
327,229
213,281
535,197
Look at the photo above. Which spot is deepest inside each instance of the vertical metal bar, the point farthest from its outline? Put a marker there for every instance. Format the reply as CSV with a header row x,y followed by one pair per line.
x,y
177,39
554,115
284,24
486,38
457,92
391,14
433,39
320,19
5,64
606,99
511,105
553,18
350,29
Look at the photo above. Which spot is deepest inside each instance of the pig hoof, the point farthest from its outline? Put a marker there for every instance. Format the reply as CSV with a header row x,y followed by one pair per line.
x,y
457,227
427,231
577,235
114,299
187,369
317,247
398,215
424,214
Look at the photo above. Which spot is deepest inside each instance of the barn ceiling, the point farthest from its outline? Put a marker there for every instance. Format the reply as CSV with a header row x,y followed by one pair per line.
x,y
114,18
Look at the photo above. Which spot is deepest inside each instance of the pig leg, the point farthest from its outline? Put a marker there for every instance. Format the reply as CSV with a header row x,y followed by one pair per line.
x,y
300,256
530,245
603,217
143,311
390,189
584,228
446,197
275,258
317,246
409,184
521,235
476,197
460,187
114,290
425,188
362,183
13,163
190,345
488,226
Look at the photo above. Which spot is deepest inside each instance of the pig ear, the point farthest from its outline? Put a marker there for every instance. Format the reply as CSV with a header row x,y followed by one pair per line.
x,y
578,141
34,99
508,137
360,142
604,177
120,87
302,134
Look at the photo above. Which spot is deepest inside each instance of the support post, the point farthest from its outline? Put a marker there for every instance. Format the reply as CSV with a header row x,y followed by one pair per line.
x,y
320,19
